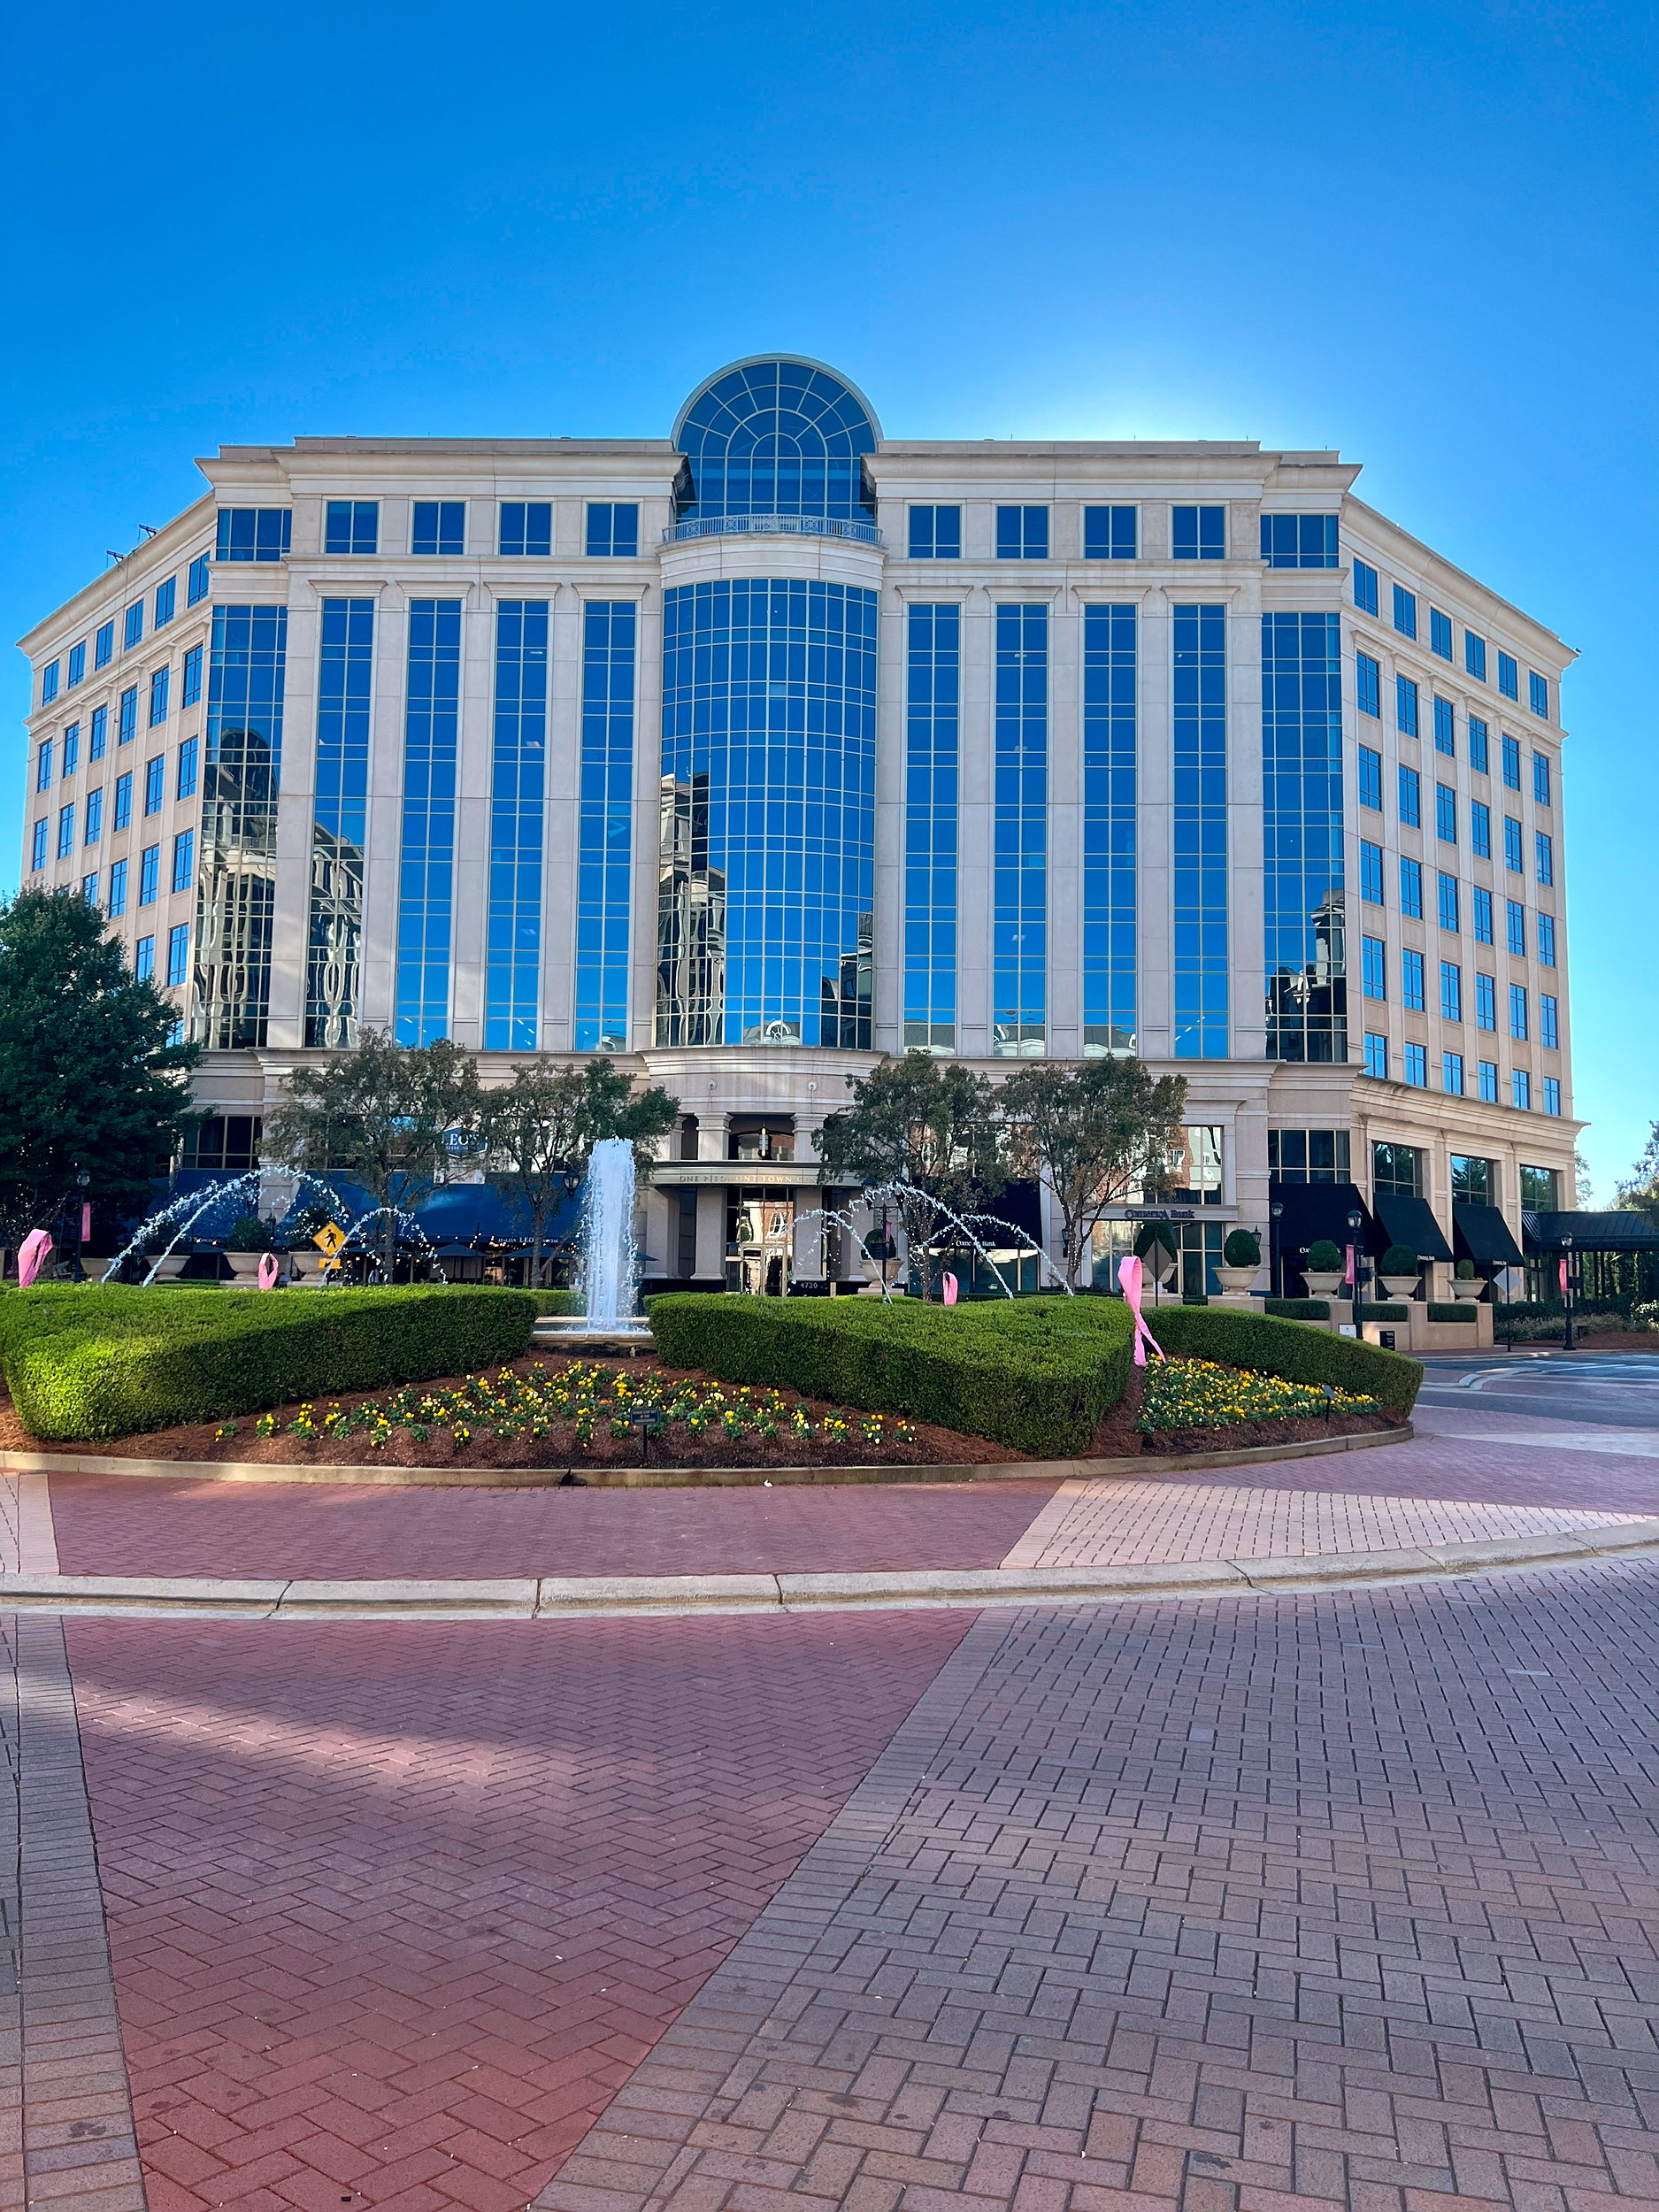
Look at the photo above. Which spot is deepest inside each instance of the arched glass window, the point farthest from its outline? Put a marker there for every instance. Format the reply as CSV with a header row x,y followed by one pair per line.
x,y
776,437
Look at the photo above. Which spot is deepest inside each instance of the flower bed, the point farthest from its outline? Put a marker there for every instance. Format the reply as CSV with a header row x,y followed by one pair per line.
x,y
570,1410
1186,1394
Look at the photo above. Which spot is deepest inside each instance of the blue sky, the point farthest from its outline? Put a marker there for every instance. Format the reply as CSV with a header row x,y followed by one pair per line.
x,y
1424,234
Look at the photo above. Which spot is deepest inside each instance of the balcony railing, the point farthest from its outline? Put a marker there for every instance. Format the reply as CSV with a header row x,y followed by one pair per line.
x,y
772,525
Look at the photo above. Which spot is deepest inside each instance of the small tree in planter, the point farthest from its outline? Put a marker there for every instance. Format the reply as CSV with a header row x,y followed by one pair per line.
x,y
1241,1256
1325,1267
1157,1246
1398,1271
1465,1282
248,1243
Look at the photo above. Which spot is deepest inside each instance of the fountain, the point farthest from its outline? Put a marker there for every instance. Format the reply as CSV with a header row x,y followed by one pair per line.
x,y
609,1261
181,1214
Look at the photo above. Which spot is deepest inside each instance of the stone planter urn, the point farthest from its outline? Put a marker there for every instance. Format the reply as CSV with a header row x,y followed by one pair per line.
x,y
245,1265
305,1267
1399,1286
1235,1281
1469,1286
169,1270
1325,1285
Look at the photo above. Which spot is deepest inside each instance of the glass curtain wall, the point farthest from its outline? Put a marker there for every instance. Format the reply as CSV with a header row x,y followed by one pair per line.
x,y
426,890
512,957
1302,830
1199,829
1110,659
932,734
241,776
766,872
1020,892
339,822
605,873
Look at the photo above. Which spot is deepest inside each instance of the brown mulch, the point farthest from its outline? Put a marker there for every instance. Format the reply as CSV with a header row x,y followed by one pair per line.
x,y
1116,1438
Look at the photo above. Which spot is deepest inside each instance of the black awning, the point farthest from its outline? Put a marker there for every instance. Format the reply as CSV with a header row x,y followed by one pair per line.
x,y
1481,1234
1409,1221
1621,1231
1313,1211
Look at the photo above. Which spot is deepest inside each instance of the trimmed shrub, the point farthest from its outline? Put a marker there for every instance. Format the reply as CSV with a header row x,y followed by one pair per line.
x,y
1282,1347
1464,1271
556,1304
1325,1259
1297,1308
86,1362
1461,1309
1399,1259
1241,1249
1035,1373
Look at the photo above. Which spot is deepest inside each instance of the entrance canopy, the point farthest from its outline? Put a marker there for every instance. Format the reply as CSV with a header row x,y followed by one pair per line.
x,y
1481,1234
1410,1221
1313,1211
1621,1231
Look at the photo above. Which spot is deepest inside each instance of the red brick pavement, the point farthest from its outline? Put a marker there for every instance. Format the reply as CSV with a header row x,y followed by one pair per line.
x,y
394,1910
154,1525
1346,1903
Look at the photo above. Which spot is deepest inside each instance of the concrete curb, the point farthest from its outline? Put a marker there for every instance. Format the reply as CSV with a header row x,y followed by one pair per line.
x,y
589,1597
688,1478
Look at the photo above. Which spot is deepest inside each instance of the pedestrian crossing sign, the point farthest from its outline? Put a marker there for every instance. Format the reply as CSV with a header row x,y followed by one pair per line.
x,y
329,1238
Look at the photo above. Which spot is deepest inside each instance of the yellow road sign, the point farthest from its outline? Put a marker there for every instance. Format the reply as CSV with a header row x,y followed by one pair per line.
x,y
330,1238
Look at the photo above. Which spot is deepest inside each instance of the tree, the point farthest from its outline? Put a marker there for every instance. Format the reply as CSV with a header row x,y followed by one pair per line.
x,y
387,1115
90,1076
926,1125
539,1129
1638,1192
1090,1132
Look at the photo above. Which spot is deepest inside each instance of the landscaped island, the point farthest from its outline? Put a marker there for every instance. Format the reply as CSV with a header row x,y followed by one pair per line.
x,y
428,1376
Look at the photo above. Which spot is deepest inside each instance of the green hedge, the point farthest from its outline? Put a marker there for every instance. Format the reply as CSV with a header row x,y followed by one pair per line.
x,y
1286,1348
86,1362
557,1303
1035,1373
1463,1309
1297,1308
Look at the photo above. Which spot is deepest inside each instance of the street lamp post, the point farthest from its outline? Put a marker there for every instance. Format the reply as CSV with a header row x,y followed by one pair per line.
x,y
83,1183
1356,1224
1566,1292
1276,1212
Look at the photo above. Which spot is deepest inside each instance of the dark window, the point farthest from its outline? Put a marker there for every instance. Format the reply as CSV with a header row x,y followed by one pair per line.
x,y
1396,1171
1198,533
352,525
935,534
613,528
1022,533
1298,540
526,526
1109,533
436,525
254,533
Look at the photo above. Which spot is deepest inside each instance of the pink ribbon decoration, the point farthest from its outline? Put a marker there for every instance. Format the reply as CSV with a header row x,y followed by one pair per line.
x,y
268,1271
1349,1274
32,1256
951,1290
1130,1273
1564,1274
86,1219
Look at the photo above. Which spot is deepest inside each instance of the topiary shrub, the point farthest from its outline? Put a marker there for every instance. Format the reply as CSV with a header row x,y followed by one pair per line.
x,y
1464,1271
251,1234
1153,1235
1298,1309
1035,1373
1399,1259
1461,1309
1241,1249
90,1362
1325,1259
1283,1348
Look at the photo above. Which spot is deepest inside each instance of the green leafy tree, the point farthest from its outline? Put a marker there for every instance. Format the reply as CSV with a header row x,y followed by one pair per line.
x,y
399,1119
1638,1192
927,1125
1090,1132
538,1130
90,1075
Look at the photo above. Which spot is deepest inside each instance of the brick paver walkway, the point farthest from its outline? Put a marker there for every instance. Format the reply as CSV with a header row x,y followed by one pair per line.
x,y
393,1909
154,1525
1132,1524
1344,1901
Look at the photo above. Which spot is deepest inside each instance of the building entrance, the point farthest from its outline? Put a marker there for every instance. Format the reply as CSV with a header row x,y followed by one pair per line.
x,y
760,1231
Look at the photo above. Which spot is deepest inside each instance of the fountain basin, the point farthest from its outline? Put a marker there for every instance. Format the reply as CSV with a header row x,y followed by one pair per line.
x,y
575,1334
